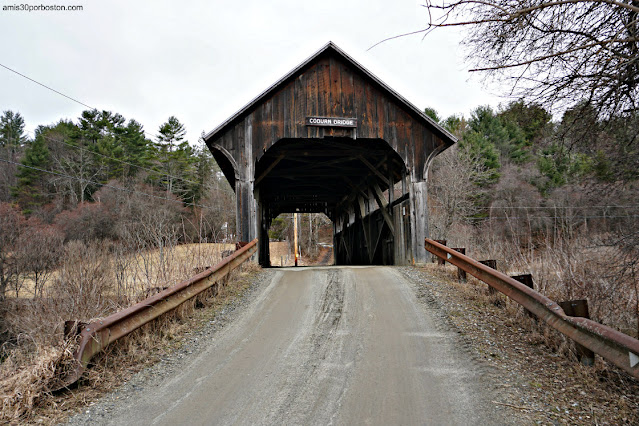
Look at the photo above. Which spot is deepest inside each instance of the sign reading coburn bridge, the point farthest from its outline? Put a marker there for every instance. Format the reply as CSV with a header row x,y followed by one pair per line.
x,y
331,121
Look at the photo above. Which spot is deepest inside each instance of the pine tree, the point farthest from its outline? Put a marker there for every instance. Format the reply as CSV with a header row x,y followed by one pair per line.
x,y
30,190
175,158
12,129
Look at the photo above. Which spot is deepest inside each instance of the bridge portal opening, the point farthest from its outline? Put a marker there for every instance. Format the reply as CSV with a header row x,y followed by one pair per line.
x,y
332,176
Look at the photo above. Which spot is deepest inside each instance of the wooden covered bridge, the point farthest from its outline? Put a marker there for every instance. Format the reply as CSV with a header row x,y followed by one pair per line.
x,y
331,137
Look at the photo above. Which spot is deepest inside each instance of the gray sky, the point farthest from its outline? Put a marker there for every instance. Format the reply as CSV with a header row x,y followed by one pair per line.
x,y
203,60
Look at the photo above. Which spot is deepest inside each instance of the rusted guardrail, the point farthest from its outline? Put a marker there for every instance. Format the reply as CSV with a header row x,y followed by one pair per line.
x,y
97,335
618,348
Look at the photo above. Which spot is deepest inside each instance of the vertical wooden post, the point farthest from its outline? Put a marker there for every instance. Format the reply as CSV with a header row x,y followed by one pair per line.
x,y
579,308
527,280
492,263
439,260
295,235
461,274
419,220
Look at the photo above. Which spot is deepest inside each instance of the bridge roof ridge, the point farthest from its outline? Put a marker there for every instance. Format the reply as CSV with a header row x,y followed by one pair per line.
x,y
330,46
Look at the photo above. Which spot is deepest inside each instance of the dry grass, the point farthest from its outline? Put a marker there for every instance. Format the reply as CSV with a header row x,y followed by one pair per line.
x,y
142,269
93,282
565,269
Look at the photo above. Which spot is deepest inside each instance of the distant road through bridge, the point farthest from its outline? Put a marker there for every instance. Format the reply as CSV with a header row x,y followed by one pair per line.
x,y
330,137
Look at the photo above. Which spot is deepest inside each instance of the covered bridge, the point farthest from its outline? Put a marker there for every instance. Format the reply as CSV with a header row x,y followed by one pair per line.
x,y
331,137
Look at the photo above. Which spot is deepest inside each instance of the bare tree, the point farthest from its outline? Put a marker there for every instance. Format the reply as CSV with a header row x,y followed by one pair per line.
x,y
39,251
453,189
552,52
11,224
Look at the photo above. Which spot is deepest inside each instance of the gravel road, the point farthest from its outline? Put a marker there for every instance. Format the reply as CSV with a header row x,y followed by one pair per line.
x,y
326,345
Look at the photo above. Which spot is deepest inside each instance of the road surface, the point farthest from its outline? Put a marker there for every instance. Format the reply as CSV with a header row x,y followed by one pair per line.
x,y
326,345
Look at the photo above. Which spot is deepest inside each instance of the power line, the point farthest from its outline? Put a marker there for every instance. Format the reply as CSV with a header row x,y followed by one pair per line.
x,y
547,207
131,191
62,94
552,217
46,87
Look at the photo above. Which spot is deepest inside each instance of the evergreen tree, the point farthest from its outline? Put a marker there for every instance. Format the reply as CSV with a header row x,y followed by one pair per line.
x,y
507,137
532,119
175,161
432,113
12,130
32,181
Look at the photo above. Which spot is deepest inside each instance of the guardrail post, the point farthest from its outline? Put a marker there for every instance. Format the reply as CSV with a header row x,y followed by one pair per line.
x,y
579,308
437,259
527,280
492,263
72,328
461,274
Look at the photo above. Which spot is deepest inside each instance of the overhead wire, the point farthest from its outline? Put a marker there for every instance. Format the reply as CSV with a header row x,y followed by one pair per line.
x,y
549,207
186,180
92,108
46,87
93,152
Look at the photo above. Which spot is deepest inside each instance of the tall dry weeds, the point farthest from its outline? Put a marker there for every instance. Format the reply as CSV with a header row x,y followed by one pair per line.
x,y
93,280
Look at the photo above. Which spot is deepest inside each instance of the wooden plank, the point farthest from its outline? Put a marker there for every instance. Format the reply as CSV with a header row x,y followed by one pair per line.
x,y
361,108
311,100
371,107
362,209
335,92
348,90
278,113
382,118
382,203
373,169
289,108
299,107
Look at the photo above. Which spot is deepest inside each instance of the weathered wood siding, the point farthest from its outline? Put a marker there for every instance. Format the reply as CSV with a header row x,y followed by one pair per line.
x,y
328,87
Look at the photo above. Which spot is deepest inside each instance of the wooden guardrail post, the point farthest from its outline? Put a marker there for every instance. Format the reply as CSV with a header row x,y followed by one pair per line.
x,y
461,274
579,308
491,263
439,260
527,280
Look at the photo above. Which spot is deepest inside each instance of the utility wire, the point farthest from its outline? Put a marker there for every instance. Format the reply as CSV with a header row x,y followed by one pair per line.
x,y
550,217
93,108
62,94
46,87
131,191
548,207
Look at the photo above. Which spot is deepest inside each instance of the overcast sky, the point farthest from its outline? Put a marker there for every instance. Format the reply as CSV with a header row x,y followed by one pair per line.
x,y
203,60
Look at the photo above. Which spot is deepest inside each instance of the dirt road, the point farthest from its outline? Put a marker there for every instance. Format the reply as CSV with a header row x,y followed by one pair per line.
x,y
330,345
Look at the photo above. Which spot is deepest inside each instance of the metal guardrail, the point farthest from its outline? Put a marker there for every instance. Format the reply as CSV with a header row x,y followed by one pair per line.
x,y
618,348
97,335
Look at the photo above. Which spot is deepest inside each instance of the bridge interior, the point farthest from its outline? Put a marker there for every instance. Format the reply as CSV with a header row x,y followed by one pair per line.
x,y
346,179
